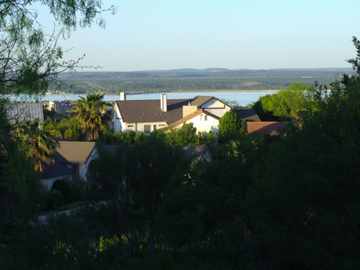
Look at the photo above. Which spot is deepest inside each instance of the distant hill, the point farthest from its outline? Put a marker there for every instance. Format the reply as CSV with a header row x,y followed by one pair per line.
x,y
192,79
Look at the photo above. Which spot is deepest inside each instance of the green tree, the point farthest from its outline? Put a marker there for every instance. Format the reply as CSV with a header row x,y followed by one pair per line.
x,y
230,126
186,135
28,58
287,104
65,129
19,188
36,142
91,113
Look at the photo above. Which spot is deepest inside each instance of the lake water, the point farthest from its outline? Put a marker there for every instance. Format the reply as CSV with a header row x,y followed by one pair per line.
x,y
241,98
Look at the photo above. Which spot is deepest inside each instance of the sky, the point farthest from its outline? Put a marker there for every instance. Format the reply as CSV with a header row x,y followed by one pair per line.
x,y
236,34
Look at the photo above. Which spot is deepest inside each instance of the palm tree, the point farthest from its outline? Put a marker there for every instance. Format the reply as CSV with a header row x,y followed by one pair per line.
x,y
91,112
37,143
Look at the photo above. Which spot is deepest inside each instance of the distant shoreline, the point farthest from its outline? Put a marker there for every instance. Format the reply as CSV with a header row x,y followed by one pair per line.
x,y
239,97
163,90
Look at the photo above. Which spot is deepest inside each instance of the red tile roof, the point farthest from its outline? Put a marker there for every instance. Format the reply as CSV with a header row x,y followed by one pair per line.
x,y
264,127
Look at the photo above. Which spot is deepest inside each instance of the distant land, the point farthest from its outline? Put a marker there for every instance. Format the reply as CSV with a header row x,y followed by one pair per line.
x,y
191,79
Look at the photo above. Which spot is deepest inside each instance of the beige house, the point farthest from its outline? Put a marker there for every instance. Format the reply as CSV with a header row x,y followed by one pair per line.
x,y
203,112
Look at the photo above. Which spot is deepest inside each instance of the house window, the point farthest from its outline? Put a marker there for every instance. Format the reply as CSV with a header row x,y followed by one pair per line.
x,y
130,126
154,127
147,128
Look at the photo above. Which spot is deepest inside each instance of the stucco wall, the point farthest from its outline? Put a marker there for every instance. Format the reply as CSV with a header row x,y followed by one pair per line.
x,y
141,126
117,121
84,168
203,123
216,107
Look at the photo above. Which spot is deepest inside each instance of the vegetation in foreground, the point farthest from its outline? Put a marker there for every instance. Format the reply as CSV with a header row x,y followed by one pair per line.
x,y
288,202
260,203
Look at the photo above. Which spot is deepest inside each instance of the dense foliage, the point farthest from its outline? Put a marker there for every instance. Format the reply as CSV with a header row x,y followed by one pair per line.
x,y
28,57
91,114
230,126
287,104
241,202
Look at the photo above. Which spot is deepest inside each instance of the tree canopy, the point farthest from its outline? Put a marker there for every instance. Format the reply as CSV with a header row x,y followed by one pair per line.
x,y
29,58
287,104
230,126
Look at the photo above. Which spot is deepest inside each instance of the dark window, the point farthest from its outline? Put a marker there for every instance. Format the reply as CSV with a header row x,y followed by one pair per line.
x,y
147,128
154,127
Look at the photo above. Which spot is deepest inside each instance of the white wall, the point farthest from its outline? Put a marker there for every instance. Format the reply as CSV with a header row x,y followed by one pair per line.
x,y
117,121
213,103
216,107
84,168
141,126
204,123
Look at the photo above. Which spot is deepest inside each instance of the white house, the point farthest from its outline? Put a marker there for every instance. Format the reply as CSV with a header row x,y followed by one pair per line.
x,y
203,112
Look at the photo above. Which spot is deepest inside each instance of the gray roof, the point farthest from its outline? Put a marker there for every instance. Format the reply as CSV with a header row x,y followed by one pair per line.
x,y
247,114
137,111
200,100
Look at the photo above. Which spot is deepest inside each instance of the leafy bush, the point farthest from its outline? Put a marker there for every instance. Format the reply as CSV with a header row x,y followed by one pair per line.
x,y
230,127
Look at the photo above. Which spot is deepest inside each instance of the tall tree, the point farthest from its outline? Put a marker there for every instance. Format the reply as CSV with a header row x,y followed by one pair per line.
x,y
287,104
230,126
28,57
91,112
37,143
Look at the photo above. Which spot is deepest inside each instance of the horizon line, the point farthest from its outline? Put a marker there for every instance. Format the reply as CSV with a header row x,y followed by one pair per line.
x,y
96,69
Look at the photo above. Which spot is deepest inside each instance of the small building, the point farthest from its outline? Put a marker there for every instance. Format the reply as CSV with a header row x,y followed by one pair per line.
x,y
71,161
203,112
79,154
271,128
25,111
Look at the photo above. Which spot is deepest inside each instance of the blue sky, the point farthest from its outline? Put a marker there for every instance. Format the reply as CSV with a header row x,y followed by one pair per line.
x,y
167,34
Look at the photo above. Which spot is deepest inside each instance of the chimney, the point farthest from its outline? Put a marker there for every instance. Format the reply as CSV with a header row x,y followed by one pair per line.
x,y
163,102
122,96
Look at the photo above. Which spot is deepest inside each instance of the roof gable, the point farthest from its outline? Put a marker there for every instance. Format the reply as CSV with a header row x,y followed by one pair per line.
x,y
200,100
189,117
75,151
